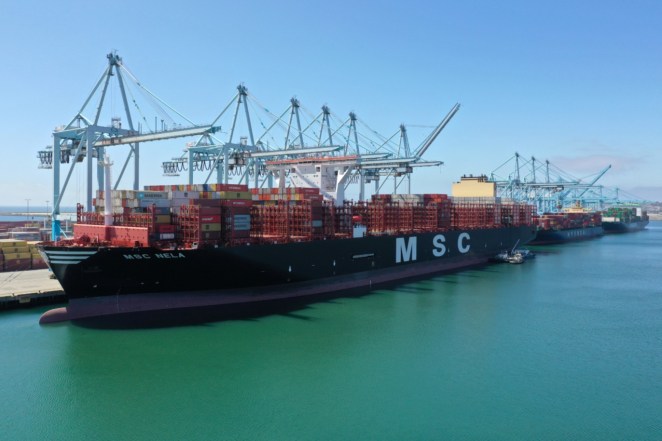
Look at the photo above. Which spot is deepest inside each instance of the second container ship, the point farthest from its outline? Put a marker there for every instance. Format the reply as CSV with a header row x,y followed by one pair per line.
x,y
567,226
624,219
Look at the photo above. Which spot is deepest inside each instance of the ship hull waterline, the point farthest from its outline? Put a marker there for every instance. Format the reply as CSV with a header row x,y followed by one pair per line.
x,y
117,281
624,227
551,237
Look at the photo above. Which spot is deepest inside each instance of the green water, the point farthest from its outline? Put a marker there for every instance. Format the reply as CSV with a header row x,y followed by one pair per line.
x,y
565,347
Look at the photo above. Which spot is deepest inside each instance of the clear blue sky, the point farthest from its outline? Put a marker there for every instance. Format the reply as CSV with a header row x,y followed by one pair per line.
x,y
578,83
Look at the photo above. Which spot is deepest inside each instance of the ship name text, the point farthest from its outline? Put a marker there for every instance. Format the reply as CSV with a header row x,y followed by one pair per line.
x,y
405,247
147,256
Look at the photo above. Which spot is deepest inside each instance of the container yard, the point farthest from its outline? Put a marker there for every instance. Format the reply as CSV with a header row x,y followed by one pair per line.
x,y
20,255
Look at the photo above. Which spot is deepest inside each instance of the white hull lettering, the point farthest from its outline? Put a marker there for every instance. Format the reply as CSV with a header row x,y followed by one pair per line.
x,y
156,255
136,256
438,244
169,255
405,251
462,243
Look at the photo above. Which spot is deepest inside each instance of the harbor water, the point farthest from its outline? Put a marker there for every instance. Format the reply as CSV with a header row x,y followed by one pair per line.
x,y
566,346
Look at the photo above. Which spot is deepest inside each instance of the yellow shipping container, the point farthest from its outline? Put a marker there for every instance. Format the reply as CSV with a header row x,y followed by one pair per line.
x,y
211,227
11,243
7,250
235,195
162,218
13,256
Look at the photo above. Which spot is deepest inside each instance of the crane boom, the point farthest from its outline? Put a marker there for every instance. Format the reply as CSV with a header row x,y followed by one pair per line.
x,y
432,136
595,180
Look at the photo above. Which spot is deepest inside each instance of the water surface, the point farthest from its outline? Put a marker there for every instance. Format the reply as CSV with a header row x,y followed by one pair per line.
x,y
568,346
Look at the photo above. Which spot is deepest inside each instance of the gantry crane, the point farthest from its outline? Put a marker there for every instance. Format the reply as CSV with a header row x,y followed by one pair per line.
x,y
557,190
84,138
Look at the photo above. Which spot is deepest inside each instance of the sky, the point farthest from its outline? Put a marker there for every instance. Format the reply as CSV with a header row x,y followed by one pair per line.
x,y
576,83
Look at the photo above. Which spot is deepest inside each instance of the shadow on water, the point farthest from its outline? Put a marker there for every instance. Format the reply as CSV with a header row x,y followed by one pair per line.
x,y
291,308
198,316
208,315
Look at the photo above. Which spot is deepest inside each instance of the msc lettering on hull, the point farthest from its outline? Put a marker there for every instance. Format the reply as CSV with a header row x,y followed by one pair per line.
x,y
405,251
406,247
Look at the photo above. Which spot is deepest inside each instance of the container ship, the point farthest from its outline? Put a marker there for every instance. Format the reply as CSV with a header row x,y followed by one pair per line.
x,y
624,219
569,226
178,247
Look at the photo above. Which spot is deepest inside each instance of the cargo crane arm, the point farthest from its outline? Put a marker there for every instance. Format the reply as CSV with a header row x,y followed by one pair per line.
x,y
600,174
579,182
432,136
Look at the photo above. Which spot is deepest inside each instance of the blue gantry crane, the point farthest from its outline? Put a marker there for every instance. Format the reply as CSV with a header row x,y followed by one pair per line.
x,y
85,140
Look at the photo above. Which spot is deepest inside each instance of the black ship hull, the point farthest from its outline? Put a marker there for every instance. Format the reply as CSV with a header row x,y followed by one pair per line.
x,y
549,237
624,227
120,280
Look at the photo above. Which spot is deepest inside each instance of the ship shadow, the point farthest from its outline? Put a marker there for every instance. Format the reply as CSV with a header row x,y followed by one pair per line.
x,y
197,316
292,308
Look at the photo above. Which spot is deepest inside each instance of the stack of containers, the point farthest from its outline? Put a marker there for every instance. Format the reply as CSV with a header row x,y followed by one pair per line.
x,y
272,196
16,255
200,224
120,201
236,219
213,213
317,219
375,218
405,217
157,204
37,260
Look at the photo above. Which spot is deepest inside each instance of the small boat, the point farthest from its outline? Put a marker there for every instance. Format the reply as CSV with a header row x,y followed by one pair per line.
x,y
501,257
516,255
526,254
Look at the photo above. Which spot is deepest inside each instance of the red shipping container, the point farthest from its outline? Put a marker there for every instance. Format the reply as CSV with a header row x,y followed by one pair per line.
x,y
206,202
210,235
315,198
210,219
166,228
237,203
232,187
209,210
310,190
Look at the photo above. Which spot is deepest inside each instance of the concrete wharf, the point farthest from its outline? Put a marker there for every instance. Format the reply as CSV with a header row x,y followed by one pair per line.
x,y
25,288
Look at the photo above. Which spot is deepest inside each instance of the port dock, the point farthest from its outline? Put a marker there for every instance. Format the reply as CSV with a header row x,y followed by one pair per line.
x,y
25,288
